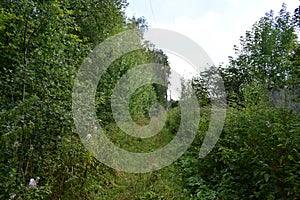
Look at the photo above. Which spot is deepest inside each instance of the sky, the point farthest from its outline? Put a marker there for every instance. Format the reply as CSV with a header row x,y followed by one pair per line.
x,y
215,25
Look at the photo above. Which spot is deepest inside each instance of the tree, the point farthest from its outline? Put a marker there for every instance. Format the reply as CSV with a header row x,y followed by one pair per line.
x,y
257,155
267,55
42,44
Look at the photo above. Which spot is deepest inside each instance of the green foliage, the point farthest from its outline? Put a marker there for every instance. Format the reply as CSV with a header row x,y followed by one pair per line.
x,y
42,45
200,189
173,120
266,55
142,99
257,156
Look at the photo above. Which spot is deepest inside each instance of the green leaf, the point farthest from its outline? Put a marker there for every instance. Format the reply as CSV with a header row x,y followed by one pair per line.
x,y
267,177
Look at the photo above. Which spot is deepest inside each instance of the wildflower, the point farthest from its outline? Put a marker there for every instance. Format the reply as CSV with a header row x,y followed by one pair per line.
x,y
31,147
95,128
32,183
88,136
268,124
12,196
16,144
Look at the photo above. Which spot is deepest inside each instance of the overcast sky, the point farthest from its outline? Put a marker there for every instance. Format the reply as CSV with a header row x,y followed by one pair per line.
x,y
215,25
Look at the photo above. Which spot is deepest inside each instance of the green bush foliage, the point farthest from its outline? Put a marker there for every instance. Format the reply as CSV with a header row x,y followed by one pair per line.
x,y
42,45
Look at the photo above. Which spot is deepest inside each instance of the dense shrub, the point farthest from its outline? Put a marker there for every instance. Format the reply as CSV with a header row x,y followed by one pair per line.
x,y
257,155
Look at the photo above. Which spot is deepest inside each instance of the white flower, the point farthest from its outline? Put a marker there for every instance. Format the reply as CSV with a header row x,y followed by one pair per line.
x,y
95,128
16,144
32,183
12,196
88,136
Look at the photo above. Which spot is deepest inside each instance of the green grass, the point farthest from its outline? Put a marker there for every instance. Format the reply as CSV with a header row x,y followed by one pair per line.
x,y
165,183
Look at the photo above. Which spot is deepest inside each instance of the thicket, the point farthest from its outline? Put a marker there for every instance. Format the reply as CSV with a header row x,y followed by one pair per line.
x,y
257,155
42,45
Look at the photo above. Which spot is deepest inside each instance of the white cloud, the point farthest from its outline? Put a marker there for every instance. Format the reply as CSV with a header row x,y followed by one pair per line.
x,y
208,31
217,32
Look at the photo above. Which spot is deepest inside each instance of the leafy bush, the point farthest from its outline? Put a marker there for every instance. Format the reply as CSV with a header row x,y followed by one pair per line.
x,y
257,156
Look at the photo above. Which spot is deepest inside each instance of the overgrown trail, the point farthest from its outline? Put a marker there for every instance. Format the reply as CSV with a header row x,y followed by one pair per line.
x,y
162,184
